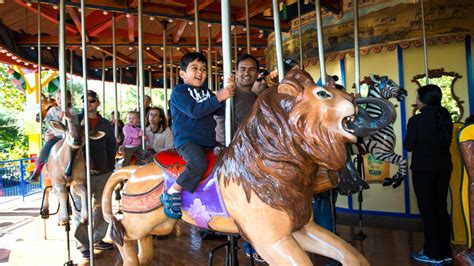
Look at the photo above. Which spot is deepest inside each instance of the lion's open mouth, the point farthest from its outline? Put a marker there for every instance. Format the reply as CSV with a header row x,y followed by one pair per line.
x,y
348,124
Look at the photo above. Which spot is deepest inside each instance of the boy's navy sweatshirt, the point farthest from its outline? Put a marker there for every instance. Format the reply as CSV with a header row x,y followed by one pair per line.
x,y
192,110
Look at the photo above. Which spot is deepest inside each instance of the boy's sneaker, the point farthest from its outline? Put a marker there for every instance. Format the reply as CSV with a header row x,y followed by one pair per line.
x,y
172,205
422,258
103,245
448,260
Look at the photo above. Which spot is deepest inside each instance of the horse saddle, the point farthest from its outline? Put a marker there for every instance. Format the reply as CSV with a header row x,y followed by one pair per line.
x,y
170,162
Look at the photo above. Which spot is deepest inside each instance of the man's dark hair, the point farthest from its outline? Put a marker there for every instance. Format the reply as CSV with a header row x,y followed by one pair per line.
x,y
288,64
190,57
245,57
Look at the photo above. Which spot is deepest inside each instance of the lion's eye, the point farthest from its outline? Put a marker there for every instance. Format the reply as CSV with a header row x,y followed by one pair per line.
x,y
323,94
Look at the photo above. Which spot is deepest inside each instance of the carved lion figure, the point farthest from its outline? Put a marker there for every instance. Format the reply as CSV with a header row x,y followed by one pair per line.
x,y
265,178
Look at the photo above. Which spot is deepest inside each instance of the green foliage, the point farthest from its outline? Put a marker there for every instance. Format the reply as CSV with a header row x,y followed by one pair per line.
x,y
11,97
13,142
448,102
127,96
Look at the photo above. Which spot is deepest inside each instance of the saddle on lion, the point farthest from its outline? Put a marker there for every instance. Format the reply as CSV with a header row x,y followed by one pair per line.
x,y
203,203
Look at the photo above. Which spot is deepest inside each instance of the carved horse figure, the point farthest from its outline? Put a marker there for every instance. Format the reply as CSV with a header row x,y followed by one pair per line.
x,y
262,184
66,167
382,143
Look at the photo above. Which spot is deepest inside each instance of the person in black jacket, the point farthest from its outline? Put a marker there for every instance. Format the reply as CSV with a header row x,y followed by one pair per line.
x,y
102,162
429,138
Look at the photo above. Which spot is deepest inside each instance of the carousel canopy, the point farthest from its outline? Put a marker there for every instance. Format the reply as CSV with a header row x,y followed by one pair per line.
x,y
19,31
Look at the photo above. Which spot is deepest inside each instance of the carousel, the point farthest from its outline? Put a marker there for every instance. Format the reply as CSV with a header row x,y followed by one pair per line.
x,y
305,141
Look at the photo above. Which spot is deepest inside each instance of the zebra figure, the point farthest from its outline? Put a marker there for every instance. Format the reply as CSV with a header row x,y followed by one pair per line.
x,y
381,144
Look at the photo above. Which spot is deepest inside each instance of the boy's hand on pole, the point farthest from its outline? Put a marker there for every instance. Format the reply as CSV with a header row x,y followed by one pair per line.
x,y
228,91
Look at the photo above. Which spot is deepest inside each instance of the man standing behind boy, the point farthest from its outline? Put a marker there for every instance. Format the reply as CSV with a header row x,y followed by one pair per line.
x,y
192,109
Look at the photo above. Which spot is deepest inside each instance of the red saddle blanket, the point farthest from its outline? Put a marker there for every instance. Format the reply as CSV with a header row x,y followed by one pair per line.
x,y
173,164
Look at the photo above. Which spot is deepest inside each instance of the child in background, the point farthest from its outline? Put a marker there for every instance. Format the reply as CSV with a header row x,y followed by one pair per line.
x,y
132,137
192,110
52,136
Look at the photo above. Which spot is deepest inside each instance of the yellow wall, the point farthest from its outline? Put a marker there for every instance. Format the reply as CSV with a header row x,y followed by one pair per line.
x,y
451,57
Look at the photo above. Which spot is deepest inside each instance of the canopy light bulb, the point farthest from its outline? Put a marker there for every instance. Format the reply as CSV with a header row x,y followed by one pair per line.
x,y
105,12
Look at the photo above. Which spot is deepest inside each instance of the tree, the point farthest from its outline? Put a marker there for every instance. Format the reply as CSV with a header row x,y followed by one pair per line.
x,y
13,143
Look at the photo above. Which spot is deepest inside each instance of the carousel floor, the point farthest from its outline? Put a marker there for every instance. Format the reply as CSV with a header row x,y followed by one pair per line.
x,y
185,247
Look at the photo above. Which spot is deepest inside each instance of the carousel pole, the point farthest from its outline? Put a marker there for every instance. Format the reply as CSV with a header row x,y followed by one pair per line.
x,y
40,98
71,67
196,24
86,129
114,76
165,88
62,53
247,26
121,87
138,90
299,34
171,70
356,48
229,106
425,48
227,66
150,84
177,74
279,48
209,57
216,78
322,66
103,84
141,82
39,77
62,86
235,48
360,198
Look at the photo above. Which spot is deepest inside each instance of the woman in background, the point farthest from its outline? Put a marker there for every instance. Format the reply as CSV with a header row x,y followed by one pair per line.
x,y
429,138
157,134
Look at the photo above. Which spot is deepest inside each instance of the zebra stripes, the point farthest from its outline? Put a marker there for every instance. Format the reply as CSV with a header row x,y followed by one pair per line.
x,y
382,143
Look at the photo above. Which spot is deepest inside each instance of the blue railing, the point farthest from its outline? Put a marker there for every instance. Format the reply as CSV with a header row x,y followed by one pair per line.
x,y
13,179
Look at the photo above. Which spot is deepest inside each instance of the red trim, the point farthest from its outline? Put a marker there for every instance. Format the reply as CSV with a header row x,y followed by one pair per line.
x,y
47,12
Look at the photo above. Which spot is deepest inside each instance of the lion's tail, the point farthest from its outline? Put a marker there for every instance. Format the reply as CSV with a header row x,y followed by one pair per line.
x,y
117,232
